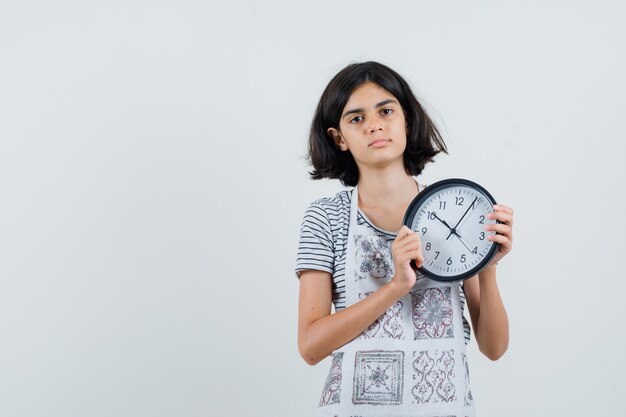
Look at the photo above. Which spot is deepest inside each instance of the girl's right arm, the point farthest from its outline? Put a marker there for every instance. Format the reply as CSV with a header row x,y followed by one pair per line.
x,y
320,332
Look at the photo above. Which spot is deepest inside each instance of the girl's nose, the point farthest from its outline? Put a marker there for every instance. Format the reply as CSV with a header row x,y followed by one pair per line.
x,y
375,125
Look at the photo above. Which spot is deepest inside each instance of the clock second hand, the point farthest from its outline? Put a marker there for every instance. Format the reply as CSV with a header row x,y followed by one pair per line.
x,y
463,243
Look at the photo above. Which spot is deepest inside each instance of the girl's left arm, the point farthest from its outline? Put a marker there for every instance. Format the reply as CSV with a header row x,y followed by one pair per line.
x,y
487,312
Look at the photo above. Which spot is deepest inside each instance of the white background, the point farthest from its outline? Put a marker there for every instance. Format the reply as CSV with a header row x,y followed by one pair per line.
x,y
153,181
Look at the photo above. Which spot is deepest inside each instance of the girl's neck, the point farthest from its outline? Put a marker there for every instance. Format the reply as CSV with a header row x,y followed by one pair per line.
x,y
390,186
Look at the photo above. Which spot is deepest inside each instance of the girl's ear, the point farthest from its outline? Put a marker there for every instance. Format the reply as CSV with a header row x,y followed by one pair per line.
x,y
340,142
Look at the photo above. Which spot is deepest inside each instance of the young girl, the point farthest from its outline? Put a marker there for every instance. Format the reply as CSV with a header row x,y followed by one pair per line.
x,y
397,339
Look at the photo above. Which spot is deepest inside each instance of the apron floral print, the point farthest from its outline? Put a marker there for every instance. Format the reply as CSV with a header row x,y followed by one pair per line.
x,y
333,383
410,361
432,313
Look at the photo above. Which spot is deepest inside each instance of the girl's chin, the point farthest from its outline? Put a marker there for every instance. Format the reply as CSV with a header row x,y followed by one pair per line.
x,y
382,162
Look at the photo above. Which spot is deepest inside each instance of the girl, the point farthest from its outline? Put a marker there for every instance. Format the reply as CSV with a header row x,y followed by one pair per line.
x,y
397,339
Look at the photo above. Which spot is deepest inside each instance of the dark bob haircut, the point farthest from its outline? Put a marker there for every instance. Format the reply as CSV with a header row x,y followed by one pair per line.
x,y
328,161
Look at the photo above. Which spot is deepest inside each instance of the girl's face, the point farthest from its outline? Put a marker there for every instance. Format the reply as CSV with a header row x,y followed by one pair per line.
x,y
372,127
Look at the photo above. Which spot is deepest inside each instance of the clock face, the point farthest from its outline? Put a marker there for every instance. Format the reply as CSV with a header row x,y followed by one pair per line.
x,y
450,217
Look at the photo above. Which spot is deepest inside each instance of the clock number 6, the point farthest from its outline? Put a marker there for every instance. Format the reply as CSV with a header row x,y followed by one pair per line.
x,y
449,261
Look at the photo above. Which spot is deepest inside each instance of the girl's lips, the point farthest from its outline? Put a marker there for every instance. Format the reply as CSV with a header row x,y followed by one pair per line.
x,y
379,143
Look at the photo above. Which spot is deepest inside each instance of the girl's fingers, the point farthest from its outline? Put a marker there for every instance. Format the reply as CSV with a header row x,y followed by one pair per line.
x,y
412,240
415,255
503,229
501,239
410,246
407,248
412,252
403,232
502,207
501,216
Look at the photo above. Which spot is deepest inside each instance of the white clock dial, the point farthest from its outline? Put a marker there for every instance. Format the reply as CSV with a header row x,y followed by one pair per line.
x,y
451,220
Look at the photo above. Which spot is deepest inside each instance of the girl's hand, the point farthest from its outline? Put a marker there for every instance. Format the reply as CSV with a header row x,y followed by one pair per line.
x,y
504,231
406,247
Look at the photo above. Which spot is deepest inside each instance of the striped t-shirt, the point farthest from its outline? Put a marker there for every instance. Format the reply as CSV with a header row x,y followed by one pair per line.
x,y
323,242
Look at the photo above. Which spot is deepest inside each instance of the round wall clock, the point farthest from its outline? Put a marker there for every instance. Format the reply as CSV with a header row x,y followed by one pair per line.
x,y
450,217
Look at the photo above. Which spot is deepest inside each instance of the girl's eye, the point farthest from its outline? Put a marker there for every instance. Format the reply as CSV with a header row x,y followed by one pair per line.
x,y
356,119
387,111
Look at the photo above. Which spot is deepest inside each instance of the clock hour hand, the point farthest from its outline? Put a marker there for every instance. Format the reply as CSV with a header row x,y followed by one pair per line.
x,y
442,221
452,231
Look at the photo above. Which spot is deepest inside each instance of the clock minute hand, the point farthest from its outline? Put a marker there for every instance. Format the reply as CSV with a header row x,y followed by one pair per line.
x,y
466,211
453,230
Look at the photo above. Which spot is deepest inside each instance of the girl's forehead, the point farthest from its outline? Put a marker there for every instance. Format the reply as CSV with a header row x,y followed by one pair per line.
x,y
368,93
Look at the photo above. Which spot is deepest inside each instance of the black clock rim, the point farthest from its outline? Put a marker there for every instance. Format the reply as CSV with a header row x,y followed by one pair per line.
x,y
409,215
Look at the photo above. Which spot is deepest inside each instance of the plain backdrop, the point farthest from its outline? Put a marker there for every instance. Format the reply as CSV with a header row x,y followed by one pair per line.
x,y
153,182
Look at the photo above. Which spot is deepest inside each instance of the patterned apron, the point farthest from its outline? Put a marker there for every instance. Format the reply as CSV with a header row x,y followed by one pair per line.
x,y
409,362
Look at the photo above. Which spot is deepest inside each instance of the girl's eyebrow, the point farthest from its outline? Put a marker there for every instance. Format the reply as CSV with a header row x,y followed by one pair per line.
x,y
380,104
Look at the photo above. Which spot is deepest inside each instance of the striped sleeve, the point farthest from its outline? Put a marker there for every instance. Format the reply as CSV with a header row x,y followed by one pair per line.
x,y
316,247
466,326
